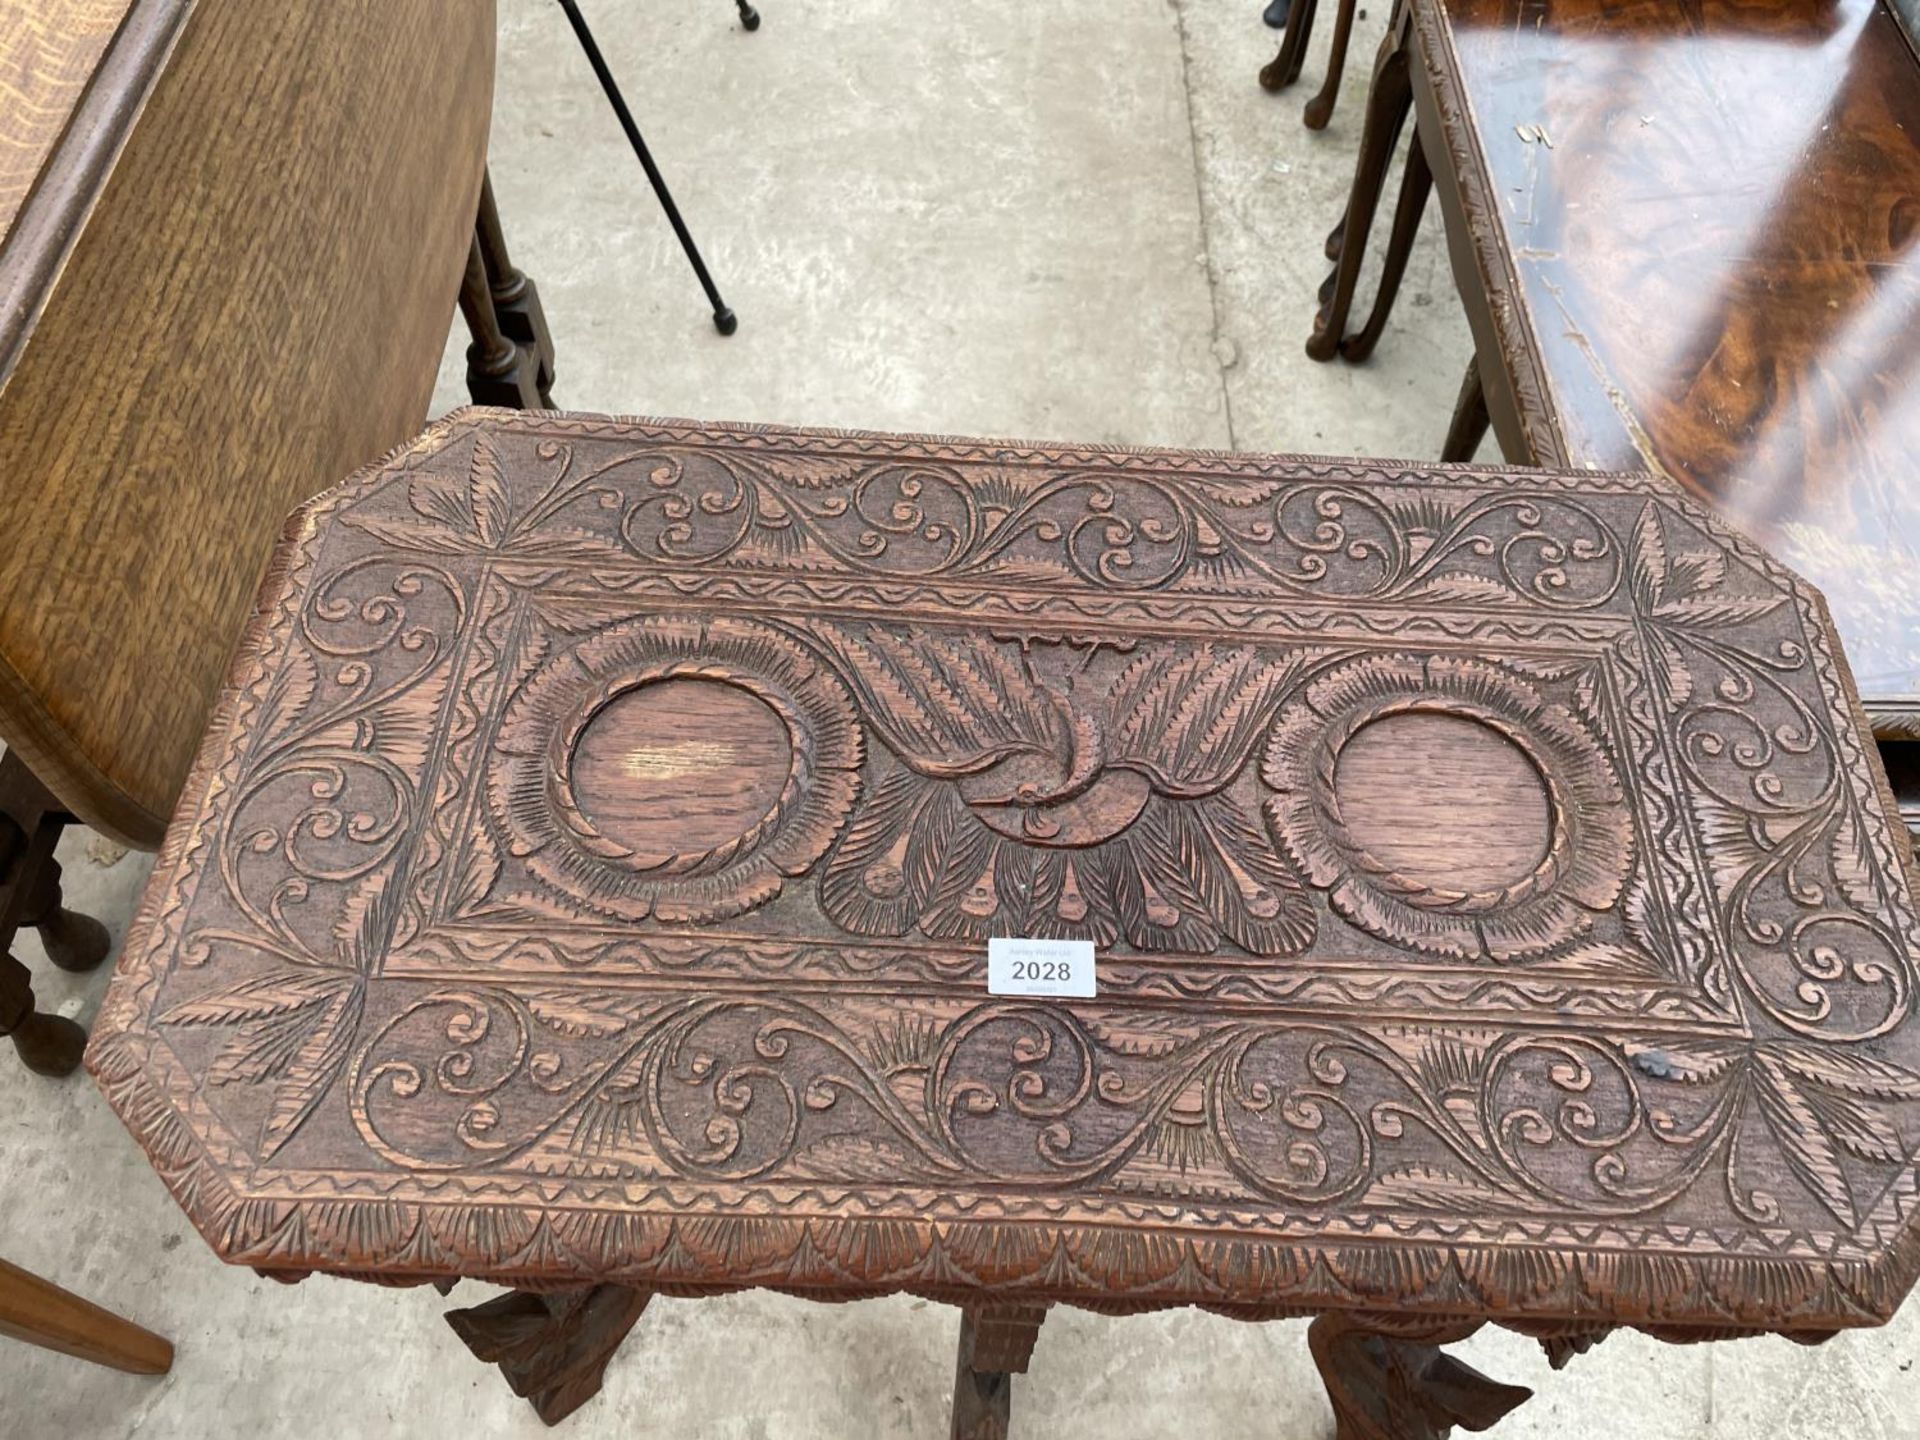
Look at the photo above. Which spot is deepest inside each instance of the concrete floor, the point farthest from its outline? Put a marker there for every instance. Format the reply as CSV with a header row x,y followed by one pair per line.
x,y
1058,220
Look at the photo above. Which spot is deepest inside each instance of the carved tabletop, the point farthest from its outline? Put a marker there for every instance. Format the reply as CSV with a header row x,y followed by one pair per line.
x,y
586,883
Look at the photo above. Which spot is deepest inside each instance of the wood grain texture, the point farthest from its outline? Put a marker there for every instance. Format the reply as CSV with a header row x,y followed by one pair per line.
x,y
400,1003
1710,267
240,291
41,1313
49,50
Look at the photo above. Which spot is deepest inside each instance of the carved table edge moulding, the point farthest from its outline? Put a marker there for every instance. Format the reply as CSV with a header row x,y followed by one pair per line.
x,y
1549,1274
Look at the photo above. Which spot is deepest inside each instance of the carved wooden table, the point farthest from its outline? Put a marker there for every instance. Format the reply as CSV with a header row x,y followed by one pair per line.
x,y
586,886
1685,239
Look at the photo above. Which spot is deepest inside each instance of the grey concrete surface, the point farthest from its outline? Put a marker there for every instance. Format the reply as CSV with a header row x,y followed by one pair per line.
x,y
1055,220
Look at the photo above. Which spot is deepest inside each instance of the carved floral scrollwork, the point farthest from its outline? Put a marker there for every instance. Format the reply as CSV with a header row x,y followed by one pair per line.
x,y
1039,792
1590,846
531,791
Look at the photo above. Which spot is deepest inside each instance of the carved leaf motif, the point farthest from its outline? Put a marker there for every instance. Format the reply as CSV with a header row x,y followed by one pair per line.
x,y
1191,720
592,1014
1426,1187
1862,1131
1803,1138
1716,610
1846,1070
1462,588
1731,849
289,695
1698,571
365,922
428,536
1851,870
1673,668
1246,886
803,472
1147,1035
313,1070
1647,559
919,715
487,492
478,872
255,999
882,873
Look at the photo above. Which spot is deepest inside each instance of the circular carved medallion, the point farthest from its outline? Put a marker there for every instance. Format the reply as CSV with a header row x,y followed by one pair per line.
x,y
678,766
1447,805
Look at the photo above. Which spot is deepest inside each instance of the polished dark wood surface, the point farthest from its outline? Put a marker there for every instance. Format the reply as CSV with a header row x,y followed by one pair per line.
x,y
587,880
1703,256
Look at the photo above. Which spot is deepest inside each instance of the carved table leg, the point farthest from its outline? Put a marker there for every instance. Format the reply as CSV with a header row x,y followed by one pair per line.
x,y
749,17
516,299
553,1348
996,1343
1469,425
1320,109
1388,102
500,371
1284,68
1389,1380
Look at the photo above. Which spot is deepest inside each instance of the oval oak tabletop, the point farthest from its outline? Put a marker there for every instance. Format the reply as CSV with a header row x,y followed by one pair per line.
x,y
590,870
230,239
1710,267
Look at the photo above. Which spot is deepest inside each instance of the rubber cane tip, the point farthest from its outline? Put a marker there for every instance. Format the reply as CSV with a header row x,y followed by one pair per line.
x,y
725,321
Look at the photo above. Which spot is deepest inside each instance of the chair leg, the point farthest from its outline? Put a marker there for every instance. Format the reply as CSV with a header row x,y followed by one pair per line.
x,y
1320,109
500,371
1416,184
1284,68
516,299
1470,420
41,1313
749,17
1388,102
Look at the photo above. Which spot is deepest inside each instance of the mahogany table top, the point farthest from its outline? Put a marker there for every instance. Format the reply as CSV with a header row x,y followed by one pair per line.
x,y
589,872
1710,267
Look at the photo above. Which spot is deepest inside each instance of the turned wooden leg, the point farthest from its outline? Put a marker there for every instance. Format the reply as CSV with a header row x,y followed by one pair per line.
x,y
500,371
41,1313
1469,425
749,17
73,941
516,299
1415,185
553,1348
1387,104
47,1044
1389,1380
1320,109
1284,68
996,1343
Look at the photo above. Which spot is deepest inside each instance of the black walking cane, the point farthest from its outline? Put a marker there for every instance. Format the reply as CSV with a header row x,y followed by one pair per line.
x,y
724,319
